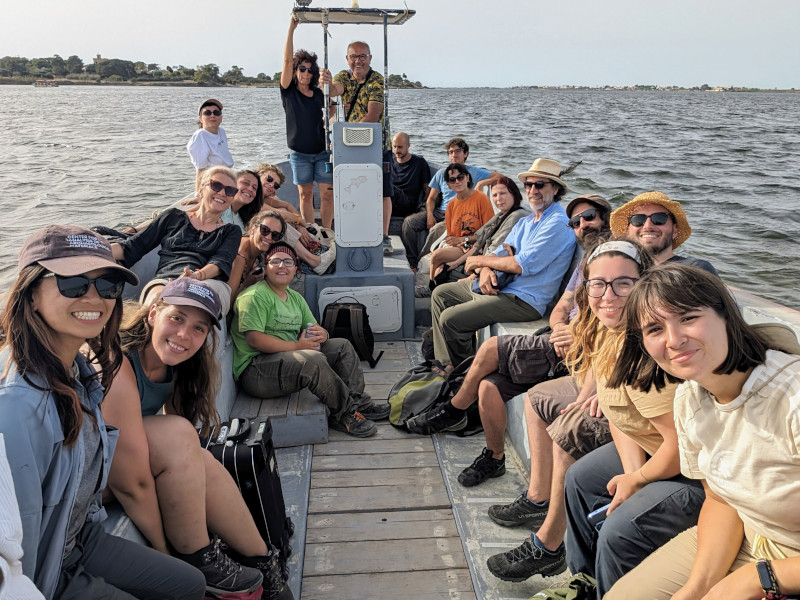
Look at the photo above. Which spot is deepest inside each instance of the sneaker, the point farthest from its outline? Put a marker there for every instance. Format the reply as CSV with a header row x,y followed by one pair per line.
x,y
354,424
274,580
519,512
325,260
223,574
436,420
422,291
388,249
482,468
375,412
526,561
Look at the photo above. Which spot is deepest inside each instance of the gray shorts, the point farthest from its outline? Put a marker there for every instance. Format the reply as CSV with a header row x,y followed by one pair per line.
x,y
523,361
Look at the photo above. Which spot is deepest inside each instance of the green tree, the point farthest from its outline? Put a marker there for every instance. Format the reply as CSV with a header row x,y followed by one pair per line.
x,y
59,66
115,66
91,69
140,67
74,64
233,75
13,66
277,76
208,74
40,68
153,67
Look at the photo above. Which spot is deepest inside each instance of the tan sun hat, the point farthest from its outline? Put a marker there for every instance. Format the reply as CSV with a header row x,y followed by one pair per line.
x,y
546,168
619,218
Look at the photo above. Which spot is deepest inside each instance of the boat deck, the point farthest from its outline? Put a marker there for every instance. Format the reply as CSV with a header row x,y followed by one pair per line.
x,y
384,517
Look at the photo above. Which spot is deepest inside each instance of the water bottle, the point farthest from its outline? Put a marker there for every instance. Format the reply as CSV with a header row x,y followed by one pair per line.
x,y
308,333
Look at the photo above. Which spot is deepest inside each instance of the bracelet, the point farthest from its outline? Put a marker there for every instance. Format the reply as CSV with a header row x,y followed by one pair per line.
x,y
641,472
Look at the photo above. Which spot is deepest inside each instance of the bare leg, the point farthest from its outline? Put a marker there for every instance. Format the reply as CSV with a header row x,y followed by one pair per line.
x,y
325,204
387,214
541,447
552,531
227,513
493,417
485,362
306,202
443,255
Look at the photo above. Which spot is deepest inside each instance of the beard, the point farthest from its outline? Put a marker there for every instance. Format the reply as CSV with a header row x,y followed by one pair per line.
x,y
590,236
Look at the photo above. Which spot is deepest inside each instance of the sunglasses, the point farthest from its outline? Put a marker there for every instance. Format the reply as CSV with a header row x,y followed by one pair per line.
x,y
109,287
208,112
535,184
587,215
267,232
277,262
659,218
230,191
303,69
275,185
621,286
459,177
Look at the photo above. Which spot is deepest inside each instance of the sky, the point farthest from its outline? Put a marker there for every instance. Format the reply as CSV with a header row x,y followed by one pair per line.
x,y
448,43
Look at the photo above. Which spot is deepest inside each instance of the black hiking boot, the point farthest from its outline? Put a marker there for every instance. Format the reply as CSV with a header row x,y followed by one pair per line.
x,y
482,468
223,574
374,411
274,583
354,424
436,420
520,512
526,561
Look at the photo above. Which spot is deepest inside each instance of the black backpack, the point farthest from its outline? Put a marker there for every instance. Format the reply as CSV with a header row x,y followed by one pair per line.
x,y
350,320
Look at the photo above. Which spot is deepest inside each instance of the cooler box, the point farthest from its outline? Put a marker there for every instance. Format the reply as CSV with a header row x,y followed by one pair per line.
x,y
384,304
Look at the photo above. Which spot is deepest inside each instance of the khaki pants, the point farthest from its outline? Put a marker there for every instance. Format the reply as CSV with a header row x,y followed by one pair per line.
x,y
667,569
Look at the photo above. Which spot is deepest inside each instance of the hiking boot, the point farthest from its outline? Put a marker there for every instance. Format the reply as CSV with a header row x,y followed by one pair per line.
x,y
436,420
223,574
388,249
375,412
519,512
325,260
354,424
482,468
526,561
422,291
274,581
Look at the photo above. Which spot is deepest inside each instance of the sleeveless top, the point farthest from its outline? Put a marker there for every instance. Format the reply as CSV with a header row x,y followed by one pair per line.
x,y
152,395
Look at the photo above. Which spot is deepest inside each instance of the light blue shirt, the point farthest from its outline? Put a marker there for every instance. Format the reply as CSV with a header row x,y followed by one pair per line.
x,y
440,185
544,252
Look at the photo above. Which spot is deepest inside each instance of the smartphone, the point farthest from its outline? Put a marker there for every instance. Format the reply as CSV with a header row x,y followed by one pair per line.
x,y
597,517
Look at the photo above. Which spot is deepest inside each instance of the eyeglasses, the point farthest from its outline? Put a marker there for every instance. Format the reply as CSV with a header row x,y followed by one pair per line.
x,y
208,112
587,215
277,262
275,185
459,177
659,218
536,184
621,286
455,151
230,191
303,69
267,232
109,287
355,57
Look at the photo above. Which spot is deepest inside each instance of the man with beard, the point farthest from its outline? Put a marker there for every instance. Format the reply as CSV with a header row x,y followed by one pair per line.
x,y
410,177
507,365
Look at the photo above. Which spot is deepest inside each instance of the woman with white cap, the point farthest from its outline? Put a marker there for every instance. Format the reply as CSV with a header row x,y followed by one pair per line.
x,y
208,146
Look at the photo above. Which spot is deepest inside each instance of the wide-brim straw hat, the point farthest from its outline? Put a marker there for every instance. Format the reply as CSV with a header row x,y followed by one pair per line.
x,y
546,168
619,218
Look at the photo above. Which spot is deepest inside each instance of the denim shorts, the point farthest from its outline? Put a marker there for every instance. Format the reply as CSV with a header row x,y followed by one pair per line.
x,y
308,168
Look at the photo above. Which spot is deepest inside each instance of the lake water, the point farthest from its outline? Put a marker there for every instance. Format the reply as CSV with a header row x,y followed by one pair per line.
x,y
91,155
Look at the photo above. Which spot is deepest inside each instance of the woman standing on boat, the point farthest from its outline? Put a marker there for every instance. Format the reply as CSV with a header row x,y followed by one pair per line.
x,y
173,490
209,144
304,104
508,200
196,243
737,414
67,294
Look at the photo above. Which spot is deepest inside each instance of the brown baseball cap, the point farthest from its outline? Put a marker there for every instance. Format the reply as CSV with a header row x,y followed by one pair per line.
x,y
186,291
210,102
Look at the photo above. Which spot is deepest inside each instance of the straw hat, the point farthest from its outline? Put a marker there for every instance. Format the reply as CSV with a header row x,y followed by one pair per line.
x,y
546,168
619,218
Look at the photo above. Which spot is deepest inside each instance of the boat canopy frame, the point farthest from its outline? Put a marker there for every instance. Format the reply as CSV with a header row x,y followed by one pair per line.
x,y
354,16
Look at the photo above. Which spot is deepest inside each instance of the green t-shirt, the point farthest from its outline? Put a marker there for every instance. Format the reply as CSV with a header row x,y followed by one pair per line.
x,y
258,308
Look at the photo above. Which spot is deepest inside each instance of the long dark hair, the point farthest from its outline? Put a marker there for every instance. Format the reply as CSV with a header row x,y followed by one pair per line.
x,y
248,211
30,341
196,380
677,288
300,57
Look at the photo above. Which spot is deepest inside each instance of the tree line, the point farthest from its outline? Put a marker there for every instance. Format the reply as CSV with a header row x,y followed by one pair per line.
x,y
115,69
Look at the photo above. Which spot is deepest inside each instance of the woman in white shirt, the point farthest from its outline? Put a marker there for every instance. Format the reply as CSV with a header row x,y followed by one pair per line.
x,y
209,144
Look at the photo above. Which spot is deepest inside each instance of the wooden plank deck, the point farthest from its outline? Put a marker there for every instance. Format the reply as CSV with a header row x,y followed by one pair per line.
x,y
380,522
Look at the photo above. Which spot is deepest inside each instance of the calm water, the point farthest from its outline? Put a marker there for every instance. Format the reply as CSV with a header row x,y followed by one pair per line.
x,y
105,156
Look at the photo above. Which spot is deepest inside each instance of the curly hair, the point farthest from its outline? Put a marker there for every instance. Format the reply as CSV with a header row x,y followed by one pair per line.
x,y
30,341
300,57
264,167
195,382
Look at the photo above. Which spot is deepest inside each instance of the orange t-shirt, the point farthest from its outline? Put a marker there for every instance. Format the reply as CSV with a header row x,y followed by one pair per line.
x,y
465,217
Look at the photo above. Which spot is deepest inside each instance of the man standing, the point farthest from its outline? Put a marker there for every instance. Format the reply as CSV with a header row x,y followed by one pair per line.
x,y
457,152
537,253
361,90
410,177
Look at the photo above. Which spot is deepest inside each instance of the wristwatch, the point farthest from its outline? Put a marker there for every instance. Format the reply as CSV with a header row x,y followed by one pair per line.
x,y
767,579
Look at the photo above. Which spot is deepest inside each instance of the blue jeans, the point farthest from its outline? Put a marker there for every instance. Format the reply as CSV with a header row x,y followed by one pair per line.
x,y
637,527
308,168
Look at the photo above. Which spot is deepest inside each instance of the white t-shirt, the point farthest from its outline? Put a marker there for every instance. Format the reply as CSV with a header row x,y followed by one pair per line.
x,y
209,149
748,450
